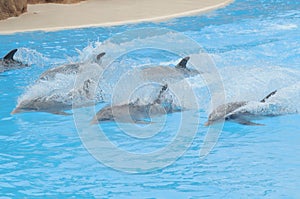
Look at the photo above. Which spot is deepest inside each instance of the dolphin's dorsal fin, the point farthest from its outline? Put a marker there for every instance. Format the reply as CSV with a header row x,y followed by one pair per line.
x,y
10,55
99,56
183,62
268,96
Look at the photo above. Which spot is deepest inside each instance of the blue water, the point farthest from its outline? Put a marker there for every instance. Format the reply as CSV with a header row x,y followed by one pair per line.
x,y
255,46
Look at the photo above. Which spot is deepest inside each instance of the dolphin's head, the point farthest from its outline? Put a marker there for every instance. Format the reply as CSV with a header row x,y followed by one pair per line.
x,y
17,110
211,119
121,113
218,114
104,114
26,106
224,112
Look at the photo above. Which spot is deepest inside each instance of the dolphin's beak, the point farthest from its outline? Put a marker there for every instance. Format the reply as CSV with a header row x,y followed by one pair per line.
x,y
16,110
94,121
207,123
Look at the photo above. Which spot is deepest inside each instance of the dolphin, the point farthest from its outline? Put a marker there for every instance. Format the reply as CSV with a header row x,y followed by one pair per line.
x,y
233,112
8,63
42,104
72,68
136,112
52,103
159,73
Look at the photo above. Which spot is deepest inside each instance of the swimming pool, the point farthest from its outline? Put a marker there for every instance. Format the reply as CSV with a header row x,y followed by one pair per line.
x,y
255,46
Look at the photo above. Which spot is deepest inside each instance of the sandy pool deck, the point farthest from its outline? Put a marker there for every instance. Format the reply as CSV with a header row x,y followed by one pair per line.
x,y
93,13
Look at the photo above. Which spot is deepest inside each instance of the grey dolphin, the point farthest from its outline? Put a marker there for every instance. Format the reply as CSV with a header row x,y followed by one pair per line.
x,y
135,112
159,73
8,63
72,68
42,105
51,104
231,111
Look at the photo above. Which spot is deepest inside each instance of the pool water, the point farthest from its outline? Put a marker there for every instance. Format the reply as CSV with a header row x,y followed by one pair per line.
x,y
255,46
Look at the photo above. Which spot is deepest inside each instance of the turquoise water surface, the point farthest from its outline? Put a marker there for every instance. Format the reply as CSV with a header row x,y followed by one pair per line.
x,y
255,46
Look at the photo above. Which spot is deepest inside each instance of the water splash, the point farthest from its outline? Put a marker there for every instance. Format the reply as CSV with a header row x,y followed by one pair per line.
x,y
31,57
240,83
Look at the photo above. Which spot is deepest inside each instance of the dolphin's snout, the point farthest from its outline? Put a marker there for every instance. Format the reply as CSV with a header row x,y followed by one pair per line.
x,y
208,123
94,121
15,111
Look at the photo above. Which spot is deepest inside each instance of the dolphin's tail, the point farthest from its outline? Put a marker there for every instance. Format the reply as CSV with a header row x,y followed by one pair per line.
x,y
10,55
268,96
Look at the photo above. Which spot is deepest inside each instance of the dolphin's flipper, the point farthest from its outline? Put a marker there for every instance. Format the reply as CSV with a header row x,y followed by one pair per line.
x,y
246,122
10,55
183,62
268,96
100,56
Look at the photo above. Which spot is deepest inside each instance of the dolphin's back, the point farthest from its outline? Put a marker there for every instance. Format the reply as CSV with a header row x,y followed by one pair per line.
x,y
159,73
64,69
